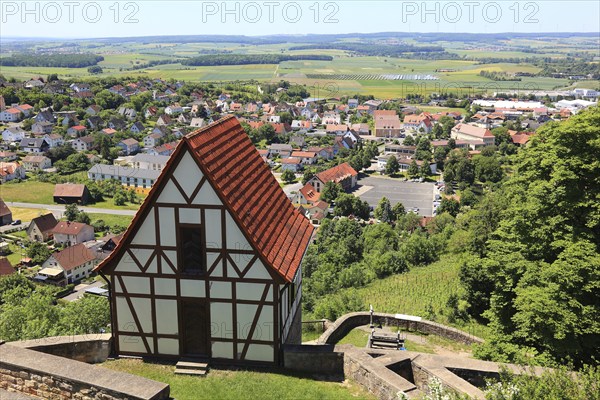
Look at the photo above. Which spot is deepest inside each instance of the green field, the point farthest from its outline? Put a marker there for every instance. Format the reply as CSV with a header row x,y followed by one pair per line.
x,y
30,191
234,385
419,289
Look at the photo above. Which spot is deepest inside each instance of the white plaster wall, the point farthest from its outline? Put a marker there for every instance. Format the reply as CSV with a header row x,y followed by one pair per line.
x,y
188,174
259,352
168,346
139,285
146,233
166,317
220,290
221,315
143,309
192,288
222,350
165,287
166,218
212,227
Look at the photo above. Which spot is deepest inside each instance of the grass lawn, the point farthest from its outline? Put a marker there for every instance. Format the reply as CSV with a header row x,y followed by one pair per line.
x,y
355,337
27,214
111,219
418,290
235,385
28,191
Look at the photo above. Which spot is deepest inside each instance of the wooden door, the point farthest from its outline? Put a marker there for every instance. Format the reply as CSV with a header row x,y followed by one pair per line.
x,y
195,328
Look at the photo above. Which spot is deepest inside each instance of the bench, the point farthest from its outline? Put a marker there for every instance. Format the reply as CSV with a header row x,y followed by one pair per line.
x,y
385,340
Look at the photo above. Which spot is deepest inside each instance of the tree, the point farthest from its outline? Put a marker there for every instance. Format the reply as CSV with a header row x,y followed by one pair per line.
x,y
409,141
425,170
71,212
413,169
330,191
38,252
95,70
542,258
450,206
347,204
392,166
383,211
307,176
120,198
488,169
288,176
398,210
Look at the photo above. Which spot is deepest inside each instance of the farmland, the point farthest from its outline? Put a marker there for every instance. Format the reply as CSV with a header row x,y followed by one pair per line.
x,y
346,74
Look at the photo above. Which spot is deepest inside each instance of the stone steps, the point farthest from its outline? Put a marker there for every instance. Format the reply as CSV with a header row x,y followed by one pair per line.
x,y
196,368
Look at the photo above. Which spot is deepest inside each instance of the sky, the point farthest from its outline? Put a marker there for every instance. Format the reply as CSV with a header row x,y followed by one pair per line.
x,y
110,18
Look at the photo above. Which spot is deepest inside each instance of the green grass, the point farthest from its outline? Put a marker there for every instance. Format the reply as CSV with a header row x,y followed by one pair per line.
x,y
413,292
111,219
28,191
235,385
355,337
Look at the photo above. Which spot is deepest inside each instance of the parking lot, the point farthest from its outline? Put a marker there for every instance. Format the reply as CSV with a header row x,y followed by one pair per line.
x,y
411,194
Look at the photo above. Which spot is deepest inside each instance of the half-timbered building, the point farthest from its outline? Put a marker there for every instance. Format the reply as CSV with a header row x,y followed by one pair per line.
x,y
210,266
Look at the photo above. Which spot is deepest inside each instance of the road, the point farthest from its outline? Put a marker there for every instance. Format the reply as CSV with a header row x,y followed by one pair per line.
x,y
59,209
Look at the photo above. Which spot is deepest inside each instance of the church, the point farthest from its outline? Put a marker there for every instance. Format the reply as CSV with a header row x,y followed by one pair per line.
x,y
210,267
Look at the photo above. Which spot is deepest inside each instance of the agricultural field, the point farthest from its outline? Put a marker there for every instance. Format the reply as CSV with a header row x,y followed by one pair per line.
x,y
346,74
238,384
423,291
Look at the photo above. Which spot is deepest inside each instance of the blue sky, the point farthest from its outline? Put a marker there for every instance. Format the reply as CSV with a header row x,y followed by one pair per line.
x,y
81,19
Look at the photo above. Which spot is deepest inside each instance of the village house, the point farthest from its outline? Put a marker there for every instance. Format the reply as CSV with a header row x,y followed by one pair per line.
x,y
291,163
129,146
342,174
36,163
10,171
93,110
95,122
54,140
336,129
283,150
165,149
473,133
130,177
128,113
301,124
148,161
387,123
76,131
220,277
174,108
164,120
361,129
72,233
13,134
137,127
331,118
306,195
305,157
197,122
398,149
418,123
70,193
11,115
153,139
85,143
70,265
42,128
40,228
7,156
403,162
322,152
5,214
117,124
45,116
34,145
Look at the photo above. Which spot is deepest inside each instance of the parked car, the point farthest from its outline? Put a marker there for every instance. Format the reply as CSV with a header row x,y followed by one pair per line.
x,y
16,222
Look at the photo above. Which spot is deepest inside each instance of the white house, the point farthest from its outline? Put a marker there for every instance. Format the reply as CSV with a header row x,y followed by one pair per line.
x,y
147,161
70,265
72,233
36,163
131,177
11,115
200,273
85,143
13,134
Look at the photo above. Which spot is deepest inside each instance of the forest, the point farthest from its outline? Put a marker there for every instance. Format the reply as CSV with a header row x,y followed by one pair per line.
x,y
242,59
51,60
529,244
371,49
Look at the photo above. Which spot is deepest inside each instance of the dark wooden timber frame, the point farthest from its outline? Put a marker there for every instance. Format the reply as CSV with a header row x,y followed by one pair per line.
x,y
277,283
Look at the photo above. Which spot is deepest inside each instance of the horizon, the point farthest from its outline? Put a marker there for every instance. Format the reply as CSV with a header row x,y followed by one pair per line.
x,y
92,20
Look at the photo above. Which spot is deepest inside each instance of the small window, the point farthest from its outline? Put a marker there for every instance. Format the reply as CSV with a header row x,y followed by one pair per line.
x,y
191,249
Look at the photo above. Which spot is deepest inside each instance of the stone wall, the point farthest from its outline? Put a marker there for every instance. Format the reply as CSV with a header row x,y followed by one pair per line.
x,y
346,323
319,359
56,378
91,349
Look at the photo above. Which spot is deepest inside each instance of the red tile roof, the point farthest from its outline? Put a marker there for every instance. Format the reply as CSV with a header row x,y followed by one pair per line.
x,y
69,228
245,184
310,193
4,210
74,256
45,223
69,190
337,174
5,267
